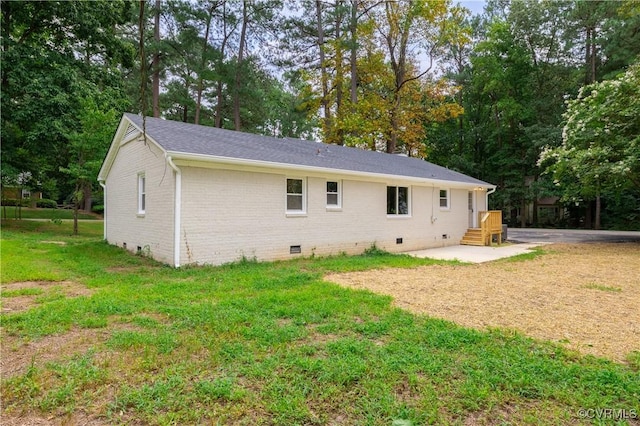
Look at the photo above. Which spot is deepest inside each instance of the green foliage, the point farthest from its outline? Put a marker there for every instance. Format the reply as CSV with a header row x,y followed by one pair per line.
x,y
600,153
13,202
54,55
514,80
45,203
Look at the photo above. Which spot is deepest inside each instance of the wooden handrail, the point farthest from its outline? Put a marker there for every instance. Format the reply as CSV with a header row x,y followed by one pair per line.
x,y
491,224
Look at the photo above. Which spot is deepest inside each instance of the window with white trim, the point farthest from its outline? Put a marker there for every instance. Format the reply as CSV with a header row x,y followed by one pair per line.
x,y
296,197
333,194
444,199
397,200
142,194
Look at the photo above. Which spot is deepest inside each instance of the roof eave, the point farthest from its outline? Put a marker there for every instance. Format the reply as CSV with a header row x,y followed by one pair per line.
x,y
177,155
117,142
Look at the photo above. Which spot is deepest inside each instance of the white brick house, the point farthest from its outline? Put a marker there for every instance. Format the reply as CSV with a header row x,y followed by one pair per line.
x,y
197,194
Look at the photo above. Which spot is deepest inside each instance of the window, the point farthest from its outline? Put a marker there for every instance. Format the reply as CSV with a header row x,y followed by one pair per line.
x,y
333,194
295,196
397,200
26,193
444,198
142,195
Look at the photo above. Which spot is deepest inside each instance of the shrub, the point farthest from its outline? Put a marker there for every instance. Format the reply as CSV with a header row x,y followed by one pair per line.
x,y
15,202
98,208
45,203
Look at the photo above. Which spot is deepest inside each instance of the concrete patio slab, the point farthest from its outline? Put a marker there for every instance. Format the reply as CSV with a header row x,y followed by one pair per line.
x,y
475,254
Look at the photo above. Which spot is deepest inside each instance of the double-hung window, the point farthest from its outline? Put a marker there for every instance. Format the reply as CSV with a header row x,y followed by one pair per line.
x,y
142,194
296,197
333,194
444,199
397,200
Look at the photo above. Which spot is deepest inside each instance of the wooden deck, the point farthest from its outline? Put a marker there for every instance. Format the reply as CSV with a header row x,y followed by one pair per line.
x,y
490,225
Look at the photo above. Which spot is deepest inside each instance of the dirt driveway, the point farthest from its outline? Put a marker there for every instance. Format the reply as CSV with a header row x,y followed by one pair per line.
x,y
584,296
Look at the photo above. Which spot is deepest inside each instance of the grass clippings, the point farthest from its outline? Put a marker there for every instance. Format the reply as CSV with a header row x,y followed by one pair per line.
x,y
550,297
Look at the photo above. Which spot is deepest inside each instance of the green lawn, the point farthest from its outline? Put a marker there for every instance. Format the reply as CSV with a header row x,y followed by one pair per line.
x,y
272,343
31,213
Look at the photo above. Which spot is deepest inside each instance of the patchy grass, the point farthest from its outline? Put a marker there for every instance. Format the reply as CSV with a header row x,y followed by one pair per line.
x,y
596,286
268,343
533,253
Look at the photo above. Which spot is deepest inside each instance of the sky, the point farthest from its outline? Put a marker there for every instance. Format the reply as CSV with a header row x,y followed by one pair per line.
x,y
475,6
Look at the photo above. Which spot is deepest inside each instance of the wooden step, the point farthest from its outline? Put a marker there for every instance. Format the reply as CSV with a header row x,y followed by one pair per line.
x,y
473,237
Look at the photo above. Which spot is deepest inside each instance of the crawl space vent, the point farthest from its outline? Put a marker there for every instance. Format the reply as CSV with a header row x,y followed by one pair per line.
x,y
295,249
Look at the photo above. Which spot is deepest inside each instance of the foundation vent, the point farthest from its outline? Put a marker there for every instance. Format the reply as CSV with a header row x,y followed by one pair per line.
x,y
295,249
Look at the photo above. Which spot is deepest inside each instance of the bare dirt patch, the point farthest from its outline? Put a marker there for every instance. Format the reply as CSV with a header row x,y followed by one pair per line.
x,y
17,354
584,296
28,419
24,302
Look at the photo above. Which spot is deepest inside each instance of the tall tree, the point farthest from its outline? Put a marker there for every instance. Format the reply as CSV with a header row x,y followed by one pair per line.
x,y
55,54
409,28
156,60
87,147
600,151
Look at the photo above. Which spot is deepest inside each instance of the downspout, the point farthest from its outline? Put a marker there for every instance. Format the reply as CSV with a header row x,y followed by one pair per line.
x,y
177,212
104,211
489,192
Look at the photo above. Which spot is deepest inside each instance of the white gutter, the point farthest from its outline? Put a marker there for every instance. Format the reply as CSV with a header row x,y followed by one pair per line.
x,y
104,211
490,191
177,210
302,168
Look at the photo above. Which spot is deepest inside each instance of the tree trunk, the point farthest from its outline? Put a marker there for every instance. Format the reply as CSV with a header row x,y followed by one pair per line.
x,y
86,196
156,63
203,63
219,105
354,53
590,56
338,135
76,205
588,217
392,142
326,121
236,97
219,85
593,55
598,210
17,213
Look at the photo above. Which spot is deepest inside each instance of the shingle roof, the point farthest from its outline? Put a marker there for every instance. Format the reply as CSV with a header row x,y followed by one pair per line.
x,y
185,138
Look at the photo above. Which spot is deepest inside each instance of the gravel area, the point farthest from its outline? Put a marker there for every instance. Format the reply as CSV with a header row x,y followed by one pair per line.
x,y
583,296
